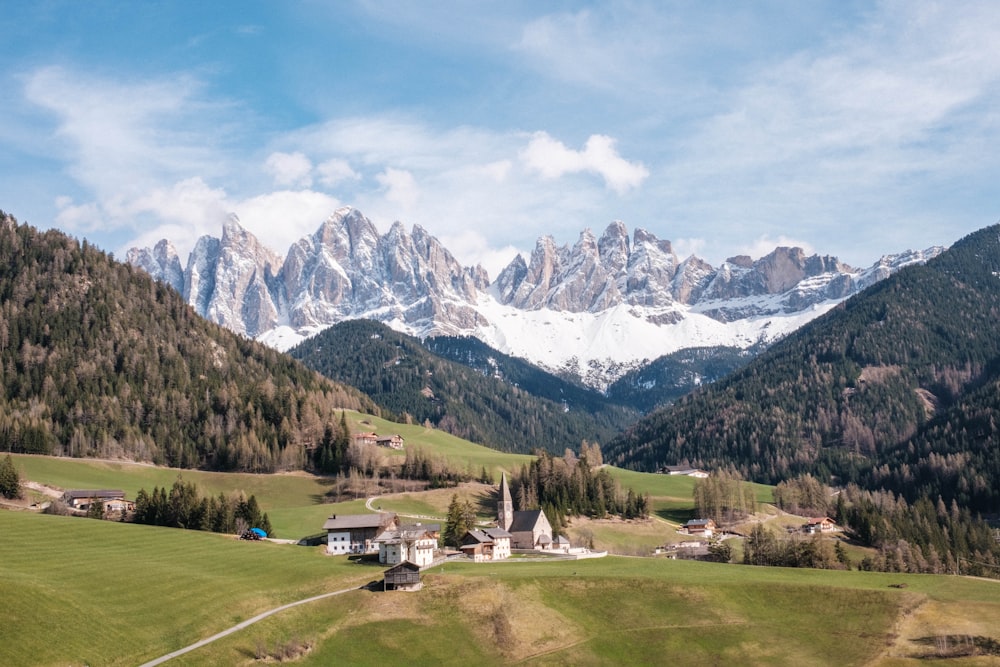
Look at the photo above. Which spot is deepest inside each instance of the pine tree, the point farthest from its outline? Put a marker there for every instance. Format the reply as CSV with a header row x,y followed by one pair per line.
x,y
96,510
451,535
10,480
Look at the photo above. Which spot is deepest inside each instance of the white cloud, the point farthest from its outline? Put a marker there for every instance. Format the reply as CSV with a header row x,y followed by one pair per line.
x,y
600,48
684,248
552,159
122,139
471,248
334,171
281,218
400,188
289,169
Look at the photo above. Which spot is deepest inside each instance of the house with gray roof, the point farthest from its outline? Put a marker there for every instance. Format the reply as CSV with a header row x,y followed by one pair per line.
x,y
356,533
486,545
415,543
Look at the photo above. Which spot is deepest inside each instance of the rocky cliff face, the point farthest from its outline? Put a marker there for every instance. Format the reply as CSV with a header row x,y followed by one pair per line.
x,y
161,262
596,274
598,306
344,270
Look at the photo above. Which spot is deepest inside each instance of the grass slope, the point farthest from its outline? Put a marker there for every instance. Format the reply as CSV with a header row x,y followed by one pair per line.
x,y
295,501
88,592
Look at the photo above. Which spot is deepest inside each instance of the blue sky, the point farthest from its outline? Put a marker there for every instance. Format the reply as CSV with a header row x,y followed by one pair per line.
x,y
848,128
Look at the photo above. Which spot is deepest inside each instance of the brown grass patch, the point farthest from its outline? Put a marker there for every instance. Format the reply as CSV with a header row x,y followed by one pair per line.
x,y
517,622
931,629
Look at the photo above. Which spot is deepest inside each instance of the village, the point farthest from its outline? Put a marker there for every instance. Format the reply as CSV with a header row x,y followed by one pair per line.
x,y
410,547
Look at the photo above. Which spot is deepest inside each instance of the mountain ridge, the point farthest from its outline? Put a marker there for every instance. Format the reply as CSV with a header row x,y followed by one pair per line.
x,y
895,388
593,310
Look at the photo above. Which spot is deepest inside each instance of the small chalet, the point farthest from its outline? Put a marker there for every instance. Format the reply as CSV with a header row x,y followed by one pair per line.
x,y
819,525
356,533
402,577
113,499
414,543
486,545
684,470
366,438
689,550
704,527
391,441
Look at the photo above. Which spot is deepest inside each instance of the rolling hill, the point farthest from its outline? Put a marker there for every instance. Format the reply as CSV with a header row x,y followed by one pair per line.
x,y
99,360
896,387
495,404
193,584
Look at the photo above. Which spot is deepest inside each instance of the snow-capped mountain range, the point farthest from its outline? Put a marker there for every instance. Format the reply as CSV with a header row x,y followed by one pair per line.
x,y
594,309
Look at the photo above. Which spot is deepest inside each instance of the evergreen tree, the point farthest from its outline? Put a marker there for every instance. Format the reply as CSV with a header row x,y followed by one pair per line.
x,y
10,479
451,536
95,510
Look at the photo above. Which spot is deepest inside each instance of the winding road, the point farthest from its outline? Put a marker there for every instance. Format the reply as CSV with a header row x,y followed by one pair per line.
x,y
240,626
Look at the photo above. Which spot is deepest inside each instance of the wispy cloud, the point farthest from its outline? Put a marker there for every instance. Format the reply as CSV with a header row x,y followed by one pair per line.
x,y
720,127
289,169
122,137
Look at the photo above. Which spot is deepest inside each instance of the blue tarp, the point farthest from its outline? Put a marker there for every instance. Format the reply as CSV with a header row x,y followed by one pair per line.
x,y
258,532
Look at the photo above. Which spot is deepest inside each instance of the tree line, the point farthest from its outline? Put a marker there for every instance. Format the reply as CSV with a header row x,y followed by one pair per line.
x,y
724,497
184,506
896,388
574,485
99,360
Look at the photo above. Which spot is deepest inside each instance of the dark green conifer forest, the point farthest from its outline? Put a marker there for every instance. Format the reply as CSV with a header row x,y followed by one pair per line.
x,y
418,386
99,360
895,388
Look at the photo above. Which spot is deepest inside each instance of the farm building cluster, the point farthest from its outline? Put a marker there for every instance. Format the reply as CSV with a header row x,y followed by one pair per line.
x,y
705,532
394,441
112,500
406,546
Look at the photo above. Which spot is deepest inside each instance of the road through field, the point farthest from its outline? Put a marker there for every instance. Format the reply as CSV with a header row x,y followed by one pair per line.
x,y
240,626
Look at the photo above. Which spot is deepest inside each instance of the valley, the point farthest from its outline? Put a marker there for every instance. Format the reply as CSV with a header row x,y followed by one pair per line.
x,y
152,590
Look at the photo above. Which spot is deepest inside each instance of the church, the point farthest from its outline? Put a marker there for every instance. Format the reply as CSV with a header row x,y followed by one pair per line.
x,y
529,529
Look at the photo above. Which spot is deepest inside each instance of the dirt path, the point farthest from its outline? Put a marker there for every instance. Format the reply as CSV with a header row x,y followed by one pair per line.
x,y
240,626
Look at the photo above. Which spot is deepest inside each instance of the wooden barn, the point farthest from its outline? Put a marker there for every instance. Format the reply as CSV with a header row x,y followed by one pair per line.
x,y
402,577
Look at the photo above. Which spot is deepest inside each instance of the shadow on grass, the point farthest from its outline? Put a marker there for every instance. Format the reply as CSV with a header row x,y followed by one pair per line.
x,y
326,484
486,503
958,646
676,515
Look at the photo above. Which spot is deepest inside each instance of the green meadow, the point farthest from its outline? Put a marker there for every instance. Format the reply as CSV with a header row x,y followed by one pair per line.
x,y
79,591
295,502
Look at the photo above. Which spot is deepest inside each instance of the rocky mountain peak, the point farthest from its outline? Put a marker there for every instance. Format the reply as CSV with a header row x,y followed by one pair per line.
x,y
162,263
347,270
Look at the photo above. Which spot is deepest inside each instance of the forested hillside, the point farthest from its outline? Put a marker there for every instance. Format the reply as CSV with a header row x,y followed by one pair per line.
x,y
671,376
479,356
404,377
97,359
895,387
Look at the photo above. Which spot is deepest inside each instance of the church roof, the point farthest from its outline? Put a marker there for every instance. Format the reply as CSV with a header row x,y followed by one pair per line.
x,y
504,489
525,521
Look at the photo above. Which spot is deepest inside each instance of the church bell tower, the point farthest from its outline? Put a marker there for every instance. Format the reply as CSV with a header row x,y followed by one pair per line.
x,y
505,506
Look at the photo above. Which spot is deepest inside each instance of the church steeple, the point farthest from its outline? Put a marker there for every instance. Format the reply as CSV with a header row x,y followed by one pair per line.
x,y
505,506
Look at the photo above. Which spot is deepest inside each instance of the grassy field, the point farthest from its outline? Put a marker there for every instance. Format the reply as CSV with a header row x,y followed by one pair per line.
x,y
295,502
78,591
459,453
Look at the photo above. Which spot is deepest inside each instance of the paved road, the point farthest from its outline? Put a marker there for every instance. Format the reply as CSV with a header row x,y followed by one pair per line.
x,y
240,626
